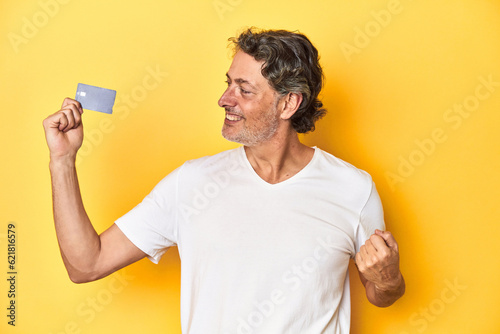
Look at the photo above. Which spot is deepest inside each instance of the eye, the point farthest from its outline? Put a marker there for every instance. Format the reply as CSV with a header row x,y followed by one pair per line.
x,y
244,91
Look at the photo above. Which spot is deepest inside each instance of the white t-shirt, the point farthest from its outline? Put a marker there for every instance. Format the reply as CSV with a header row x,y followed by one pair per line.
x,y
259,257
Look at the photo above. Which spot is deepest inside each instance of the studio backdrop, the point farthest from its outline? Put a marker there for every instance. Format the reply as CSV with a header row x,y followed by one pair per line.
x,y
413,97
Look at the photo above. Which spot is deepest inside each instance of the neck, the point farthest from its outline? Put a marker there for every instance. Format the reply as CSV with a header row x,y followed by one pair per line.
x,y
279,159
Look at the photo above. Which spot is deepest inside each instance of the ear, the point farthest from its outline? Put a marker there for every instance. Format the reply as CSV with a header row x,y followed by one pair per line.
x,y
291,103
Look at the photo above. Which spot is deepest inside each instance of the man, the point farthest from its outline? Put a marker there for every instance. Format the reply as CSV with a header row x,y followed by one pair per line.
x,y
265,232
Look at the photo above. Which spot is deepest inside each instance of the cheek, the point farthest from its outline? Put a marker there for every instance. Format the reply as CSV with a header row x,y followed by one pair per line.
x,y
255,104
258,109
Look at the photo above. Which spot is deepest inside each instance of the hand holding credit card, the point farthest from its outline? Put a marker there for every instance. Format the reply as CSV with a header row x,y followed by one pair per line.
x,y
96,98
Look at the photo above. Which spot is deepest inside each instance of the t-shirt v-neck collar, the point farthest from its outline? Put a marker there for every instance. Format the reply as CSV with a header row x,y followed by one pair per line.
x,y
298,175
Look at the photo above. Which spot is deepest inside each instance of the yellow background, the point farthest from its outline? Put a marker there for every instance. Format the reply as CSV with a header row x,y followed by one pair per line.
x,y
393,71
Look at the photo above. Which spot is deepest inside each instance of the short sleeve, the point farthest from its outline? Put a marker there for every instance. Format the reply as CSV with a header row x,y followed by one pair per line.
x,y
152,224
371,218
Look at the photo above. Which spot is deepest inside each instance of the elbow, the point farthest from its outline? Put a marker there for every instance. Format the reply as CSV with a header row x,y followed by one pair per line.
x,y
79,276
80,273
77,279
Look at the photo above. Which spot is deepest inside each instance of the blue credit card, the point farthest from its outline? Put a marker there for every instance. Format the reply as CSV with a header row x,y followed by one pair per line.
x,y
95,98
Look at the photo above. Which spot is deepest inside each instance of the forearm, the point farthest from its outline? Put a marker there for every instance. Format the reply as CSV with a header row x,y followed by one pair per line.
x,y
78,241
386,295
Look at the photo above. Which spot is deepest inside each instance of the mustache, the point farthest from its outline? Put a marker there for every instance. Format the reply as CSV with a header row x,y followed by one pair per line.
x,y
234,112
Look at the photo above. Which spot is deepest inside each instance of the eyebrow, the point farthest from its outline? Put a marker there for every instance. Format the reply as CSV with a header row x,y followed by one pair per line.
x,y
241,81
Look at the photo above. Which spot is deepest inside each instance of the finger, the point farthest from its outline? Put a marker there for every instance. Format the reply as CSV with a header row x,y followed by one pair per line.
x,y
358,259
70,119
78,119
61,121
76,115
74,112
374,244
378,243
68,101
364,250
371,254
388,238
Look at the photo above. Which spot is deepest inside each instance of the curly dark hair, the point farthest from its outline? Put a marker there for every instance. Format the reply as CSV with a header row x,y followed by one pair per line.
x,y
291,65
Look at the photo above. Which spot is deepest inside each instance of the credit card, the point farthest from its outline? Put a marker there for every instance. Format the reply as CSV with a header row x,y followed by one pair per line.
x,y
96,98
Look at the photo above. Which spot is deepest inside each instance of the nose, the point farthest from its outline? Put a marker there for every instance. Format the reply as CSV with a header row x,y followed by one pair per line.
x,y
227,99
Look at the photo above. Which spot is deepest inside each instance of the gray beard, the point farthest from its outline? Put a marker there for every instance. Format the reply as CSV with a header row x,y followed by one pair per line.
x,y
253,137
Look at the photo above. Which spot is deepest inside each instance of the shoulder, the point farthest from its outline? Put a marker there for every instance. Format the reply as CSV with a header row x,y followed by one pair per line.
x,y
202,170
214,160
229,162
341,169
349,183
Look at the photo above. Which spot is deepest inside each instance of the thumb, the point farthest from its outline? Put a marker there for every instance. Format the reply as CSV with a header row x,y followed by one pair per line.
x,y
388,238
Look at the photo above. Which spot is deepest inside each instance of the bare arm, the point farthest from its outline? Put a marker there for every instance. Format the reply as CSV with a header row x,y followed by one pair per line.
x,y
86,255
378,267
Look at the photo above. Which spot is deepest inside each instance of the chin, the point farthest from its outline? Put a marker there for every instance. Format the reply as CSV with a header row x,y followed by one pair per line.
x,y
236,139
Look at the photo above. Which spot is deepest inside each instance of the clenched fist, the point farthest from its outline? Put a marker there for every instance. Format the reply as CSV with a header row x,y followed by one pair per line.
x,y
378,261
64,130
